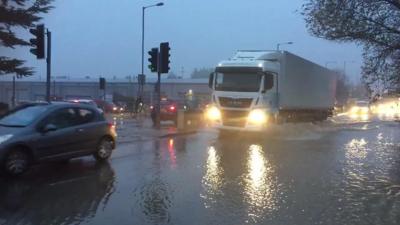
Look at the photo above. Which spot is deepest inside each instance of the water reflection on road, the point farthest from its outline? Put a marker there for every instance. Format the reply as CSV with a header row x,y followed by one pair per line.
x,y
62,195
335,172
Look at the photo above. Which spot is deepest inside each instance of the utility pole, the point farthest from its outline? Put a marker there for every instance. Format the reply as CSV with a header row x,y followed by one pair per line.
x,y
158,124
48,70
13,93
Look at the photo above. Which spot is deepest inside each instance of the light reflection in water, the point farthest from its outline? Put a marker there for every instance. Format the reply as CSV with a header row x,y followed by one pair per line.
x,y
171,151
360,117
212,180
259,183
356,149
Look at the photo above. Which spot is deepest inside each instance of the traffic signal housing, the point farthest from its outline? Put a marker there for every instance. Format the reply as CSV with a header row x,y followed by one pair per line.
x,y
37,42
164,57
102,82
153,59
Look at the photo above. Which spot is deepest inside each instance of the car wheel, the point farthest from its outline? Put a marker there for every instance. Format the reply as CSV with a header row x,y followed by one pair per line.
x,y
16,162
104,149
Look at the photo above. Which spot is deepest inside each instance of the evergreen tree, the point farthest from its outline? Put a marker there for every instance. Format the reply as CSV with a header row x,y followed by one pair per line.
x,y
18,14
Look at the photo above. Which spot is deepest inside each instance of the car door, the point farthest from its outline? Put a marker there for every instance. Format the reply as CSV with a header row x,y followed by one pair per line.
x,y
89,127
62,141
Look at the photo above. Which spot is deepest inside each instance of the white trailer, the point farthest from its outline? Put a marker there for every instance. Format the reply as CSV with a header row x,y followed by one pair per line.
x,y
255,88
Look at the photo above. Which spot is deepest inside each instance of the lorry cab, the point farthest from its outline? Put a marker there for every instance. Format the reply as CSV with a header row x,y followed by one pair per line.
x,y
245,92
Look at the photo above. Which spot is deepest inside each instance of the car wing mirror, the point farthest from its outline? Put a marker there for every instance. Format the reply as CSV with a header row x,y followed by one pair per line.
x,y
48,128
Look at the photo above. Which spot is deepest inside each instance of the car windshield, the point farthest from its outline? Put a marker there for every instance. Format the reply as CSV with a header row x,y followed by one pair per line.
x,y
22,117
362,103
241,82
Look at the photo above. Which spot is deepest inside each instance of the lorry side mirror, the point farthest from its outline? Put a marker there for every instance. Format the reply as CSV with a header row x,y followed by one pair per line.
x,y
268,82
211,80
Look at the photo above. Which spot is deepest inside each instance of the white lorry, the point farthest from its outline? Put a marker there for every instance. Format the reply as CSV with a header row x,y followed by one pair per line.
x,y
256,88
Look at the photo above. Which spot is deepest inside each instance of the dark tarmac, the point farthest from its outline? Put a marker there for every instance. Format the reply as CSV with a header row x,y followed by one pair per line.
x,y
328,173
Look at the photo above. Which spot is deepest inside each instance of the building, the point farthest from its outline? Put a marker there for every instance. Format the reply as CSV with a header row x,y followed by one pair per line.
x,y
34,89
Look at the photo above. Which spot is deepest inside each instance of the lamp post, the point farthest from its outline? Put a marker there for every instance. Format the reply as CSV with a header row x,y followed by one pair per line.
x,y
284,43
143,9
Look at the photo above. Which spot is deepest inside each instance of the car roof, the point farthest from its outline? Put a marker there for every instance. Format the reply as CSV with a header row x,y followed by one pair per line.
x,y
55,105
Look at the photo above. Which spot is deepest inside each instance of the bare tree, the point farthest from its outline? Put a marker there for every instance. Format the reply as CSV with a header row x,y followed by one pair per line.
x,y
373,24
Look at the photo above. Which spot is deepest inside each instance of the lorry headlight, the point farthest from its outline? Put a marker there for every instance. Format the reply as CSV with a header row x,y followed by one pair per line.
x,y
213,113
257,116
4,138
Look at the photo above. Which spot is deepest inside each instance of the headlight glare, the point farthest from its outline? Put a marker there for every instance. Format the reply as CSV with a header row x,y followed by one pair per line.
x,y
257,116
213,113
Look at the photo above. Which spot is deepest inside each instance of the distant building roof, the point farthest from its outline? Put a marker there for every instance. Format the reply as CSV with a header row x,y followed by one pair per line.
x,y
88,79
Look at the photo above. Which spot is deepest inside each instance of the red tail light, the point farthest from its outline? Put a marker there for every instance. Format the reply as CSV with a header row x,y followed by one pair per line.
x,y
172,108
111,126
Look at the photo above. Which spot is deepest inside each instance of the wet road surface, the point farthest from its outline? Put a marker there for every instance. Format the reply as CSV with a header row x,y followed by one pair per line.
x,y
336,172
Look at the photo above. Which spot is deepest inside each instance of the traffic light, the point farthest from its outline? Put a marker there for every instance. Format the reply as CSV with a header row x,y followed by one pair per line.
x,y
153,59
102,83
37,42
164,57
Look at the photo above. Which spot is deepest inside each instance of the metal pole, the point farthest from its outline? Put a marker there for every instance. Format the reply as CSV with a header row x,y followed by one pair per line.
x,y
158,95
54,88
48,61
13,93
143,8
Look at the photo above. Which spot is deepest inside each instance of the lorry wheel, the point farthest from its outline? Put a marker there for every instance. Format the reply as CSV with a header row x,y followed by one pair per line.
x,y
281,119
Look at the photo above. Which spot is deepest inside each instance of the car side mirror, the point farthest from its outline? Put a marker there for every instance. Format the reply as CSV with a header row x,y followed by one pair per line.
x,y
268,82
49,127
211,80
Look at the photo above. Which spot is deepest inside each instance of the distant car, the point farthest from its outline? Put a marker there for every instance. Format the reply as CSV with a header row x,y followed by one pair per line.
x,y
168,111
360,108
118,108
84,101
53,131
107,107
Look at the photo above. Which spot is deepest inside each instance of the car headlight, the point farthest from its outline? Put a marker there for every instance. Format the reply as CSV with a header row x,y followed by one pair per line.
x,y
364,109
354,109
213,113
4,138
257,116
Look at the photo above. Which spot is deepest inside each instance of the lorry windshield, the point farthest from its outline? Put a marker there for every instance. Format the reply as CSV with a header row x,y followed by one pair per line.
x,y
241,82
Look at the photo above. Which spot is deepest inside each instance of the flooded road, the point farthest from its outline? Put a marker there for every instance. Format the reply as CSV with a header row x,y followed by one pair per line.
x,y
336,172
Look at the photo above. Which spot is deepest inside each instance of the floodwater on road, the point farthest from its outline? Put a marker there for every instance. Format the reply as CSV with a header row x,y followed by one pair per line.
x,y
336,172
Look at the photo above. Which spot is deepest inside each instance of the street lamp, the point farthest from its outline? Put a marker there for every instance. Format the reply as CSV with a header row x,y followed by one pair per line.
x,y
284,43
143,8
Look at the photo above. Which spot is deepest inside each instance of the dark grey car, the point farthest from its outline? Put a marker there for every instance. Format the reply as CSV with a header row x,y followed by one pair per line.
x,y
55,131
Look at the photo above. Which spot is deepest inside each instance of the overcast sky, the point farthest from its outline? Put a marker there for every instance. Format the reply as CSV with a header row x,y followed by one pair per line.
x,y
103,37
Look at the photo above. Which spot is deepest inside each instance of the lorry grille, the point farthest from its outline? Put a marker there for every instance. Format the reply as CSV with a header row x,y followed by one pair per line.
x,y
235,102
234,118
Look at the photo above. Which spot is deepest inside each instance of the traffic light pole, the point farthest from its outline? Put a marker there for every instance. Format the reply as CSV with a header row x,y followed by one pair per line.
x,y
13,98
48,70
158,119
